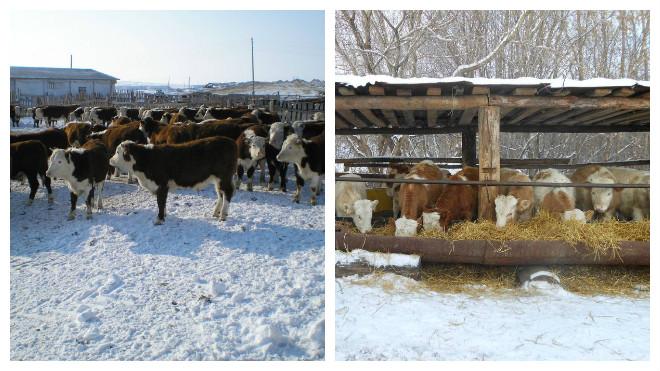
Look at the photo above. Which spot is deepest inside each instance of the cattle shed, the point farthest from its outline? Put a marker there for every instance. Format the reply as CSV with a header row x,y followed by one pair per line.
x,y
483,108
29,84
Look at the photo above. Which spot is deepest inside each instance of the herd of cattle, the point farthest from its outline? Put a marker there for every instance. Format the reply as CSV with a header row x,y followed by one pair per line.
x,y
436,206
165,149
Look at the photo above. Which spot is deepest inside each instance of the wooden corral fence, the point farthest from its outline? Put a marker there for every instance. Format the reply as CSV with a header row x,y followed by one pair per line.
x,y
289,107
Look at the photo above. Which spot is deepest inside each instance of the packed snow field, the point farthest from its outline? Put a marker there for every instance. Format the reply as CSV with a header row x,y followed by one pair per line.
x,y
117,287
395,318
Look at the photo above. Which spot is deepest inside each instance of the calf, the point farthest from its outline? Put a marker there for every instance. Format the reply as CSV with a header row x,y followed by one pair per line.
x,y
102,115
604,201
195,164
351,200
634,201
457,202
30,157
51,113
309,159
513,203
276,135
51,138
415,198
83,170
77,133
555,200
251,146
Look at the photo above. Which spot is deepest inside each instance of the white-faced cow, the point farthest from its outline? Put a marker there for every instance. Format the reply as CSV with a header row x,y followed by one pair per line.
x,y
195,164
635,202
131,113
51,114
276,135
351,201
309,158
31,159
83,170
513,203
102,115
555,200
251,152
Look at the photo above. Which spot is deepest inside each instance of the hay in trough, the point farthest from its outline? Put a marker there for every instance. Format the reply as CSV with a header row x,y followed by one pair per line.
x,y
603,237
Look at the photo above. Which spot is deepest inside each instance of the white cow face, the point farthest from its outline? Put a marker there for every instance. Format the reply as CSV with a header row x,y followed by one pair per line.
x,y
601,197
362,212
292,149
575,214
122,158
257,147
276,134
505,210
60,165
431,221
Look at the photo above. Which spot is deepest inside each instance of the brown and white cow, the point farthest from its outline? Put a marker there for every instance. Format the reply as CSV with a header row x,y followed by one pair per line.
x,y
555,200
415,198
396,171
251,146
131,113
102,115
195,164
309,159
513,203
30,158
604,201
308,129
83,170
351,201
113,136
276,135
456,202
635,202
51,113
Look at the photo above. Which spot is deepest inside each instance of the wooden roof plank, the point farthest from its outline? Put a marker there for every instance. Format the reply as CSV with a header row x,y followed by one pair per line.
x,y
598,92
375,120
569,102
411,103
352,118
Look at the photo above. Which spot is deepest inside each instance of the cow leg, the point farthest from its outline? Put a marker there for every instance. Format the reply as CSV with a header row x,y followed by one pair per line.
x,y
74,201
99,195
314,185
638,214
282,169
239,176
110,171
225,191
262,175
300,182
250,175
88,203
34,185
272,170
46,181
161,198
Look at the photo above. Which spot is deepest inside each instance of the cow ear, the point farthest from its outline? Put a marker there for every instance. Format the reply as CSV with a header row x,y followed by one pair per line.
x,y
374,203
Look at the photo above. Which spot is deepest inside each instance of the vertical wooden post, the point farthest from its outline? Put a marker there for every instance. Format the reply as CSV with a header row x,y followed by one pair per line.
x,y
469,147
489,158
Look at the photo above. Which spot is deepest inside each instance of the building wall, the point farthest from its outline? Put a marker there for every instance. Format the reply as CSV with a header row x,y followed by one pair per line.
x,y
41,87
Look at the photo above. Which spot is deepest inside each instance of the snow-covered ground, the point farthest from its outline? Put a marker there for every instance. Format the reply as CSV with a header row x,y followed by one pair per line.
x,y
117,287
396,318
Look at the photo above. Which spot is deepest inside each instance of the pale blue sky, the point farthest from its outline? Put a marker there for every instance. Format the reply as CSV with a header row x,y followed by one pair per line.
x,y
151,46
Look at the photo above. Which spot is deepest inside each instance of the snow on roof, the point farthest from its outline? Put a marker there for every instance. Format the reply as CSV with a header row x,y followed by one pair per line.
x,y
57,73
357,81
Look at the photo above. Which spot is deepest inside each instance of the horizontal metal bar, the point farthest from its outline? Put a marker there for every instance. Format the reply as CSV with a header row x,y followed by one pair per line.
x,y
515,164
443,160
486,182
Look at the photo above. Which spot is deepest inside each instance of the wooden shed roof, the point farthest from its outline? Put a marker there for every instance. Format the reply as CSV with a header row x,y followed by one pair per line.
x,y
386,105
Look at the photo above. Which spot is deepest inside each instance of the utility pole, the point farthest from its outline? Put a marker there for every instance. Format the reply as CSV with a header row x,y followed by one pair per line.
x,y
252,42
71,61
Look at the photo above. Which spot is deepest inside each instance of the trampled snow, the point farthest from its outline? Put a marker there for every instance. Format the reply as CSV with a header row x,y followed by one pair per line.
x,y
117,287
395,318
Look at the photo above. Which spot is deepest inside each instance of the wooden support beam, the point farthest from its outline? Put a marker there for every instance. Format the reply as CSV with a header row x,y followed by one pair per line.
x,y
467,116
569,102
432,114
340,122
409,116
489,159
411,103
390,116
469,147
375,120
352,118
523,115
548,114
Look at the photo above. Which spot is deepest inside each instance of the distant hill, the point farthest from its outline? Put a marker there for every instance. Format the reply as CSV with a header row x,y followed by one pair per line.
x,y
283,87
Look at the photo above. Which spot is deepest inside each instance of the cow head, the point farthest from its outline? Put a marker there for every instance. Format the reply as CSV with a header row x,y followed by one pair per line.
x,y
276,134
199,116
148,126
362,212
405,227
292,149
431,221
122,159
298,128
60,164
505,210
257,145
601,198
165,119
